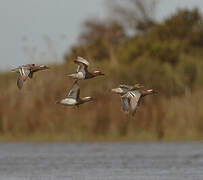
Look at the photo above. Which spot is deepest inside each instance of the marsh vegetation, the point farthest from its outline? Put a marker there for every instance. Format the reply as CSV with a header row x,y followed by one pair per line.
x,y
166,56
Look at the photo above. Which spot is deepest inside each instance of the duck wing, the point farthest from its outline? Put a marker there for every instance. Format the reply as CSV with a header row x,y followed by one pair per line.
x,y
134,100
125,88
25,72
75,91
82,65
82,68
82,61
125,104
20,80
30,68
29,65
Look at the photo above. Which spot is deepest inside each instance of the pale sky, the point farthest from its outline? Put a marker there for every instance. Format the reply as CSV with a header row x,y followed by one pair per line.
x,y
41,31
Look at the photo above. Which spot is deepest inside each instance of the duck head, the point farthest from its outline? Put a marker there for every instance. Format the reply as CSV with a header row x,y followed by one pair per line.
x,y
43,67
87,99
152,91
97,73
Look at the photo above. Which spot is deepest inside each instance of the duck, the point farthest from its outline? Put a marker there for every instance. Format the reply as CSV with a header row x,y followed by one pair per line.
x,y
131,96
26,71
82,70
73,98
126,88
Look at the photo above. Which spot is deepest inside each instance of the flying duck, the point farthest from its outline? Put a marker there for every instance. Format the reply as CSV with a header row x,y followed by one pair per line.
x,y
82,70
131,96
73,98
26,71
126,88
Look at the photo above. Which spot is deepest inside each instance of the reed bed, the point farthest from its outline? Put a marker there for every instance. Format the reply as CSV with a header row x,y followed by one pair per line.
x,y
31,114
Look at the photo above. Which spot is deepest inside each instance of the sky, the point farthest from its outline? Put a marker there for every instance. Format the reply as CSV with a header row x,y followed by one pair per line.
x,y
41,31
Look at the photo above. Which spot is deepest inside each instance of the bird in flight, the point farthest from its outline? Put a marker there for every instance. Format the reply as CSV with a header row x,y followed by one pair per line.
x,y
82,70
26,71
73,98
131,96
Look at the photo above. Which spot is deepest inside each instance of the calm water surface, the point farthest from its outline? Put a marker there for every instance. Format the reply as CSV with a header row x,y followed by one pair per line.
x,y
101,161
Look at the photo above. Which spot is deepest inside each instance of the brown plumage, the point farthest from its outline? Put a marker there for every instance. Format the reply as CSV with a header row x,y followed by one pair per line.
x,y
131,96
82,71
26,71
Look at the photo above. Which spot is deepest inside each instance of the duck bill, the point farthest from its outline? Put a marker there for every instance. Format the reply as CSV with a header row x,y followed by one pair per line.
x,y
152,91
44,67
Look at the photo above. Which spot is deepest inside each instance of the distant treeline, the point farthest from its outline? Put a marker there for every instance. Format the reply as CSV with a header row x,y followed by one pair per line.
x,y
166,56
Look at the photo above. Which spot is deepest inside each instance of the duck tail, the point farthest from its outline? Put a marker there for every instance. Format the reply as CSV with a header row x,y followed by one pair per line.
x,y
76,81
57,102
72,76
15,70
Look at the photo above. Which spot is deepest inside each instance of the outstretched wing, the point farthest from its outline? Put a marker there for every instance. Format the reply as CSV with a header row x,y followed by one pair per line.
x,y
75,91
82,65
24,74
134,100
125,86
125,104
20,80
82,68
29,65
82,61
24,71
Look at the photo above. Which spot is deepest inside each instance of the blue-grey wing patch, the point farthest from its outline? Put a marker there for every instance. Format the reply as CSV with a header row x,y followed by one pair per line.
x,y
125,104
134,100
75,91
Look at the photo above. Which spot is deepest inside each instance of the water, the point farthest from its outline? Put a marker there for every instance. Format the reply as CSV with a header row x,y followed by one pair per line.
x,y
102,161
